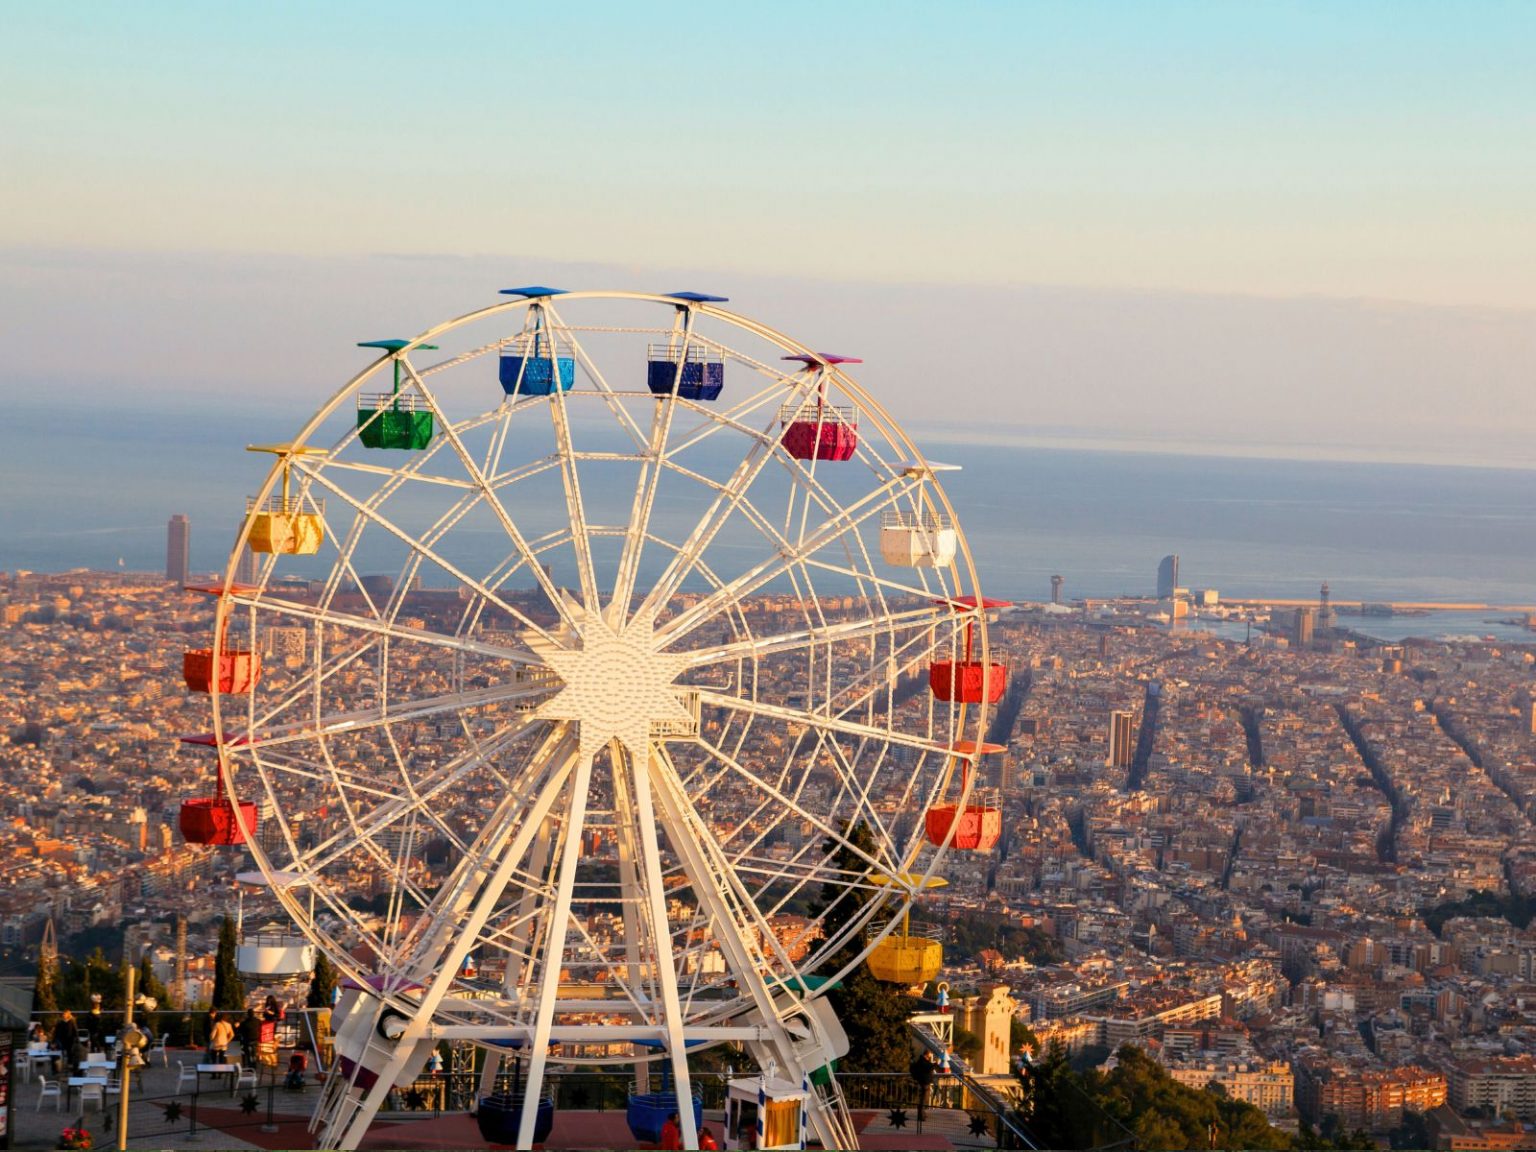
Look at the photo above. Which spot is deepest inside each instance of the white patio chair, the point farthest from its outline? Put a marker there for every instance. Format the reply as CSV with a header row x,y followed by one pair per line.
x,y
93,1089
46,1088
186,1075
160,1047
249,1077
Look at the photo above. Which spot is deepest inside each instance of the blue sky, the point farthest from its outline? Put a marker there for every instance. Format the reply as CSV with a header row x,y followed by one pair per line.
x,y
1203,153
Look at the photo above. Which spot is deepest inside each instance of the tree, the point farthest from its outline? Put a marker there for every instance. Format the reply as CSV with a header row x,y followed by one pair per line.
x,y
322,982
228,988
1138,1100
45,989
873,1014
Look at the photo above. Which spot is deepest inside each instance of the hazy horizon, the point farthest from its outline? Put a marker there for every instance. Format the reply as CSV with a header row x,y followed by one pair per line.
x,y
1111,369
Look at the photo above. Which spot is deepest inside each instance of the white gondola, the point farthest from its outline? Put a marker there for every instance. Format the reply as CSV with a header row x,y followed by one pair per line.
x,y
916,540
274,951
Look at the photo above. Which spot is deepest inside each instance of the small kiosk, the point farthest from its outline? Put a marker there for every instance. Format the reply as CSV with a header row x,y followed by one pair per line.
x,y
764,1112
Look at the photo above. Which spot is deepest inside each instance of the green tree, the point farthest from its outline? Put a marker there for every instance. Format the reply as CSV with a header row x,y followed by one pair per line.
x,y
228,988
873,1014
1054,1105
322,982
1137,1100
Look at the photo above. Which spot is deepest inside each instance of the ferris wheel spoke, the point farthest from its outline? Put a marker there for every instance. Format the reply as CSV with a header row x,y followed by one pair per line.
x,y
711,874
275,735
395,805
498,510
415,545
789,804
640,513
599,380
727,501
827,634
467,900
820,722
333,617
581,542
847,519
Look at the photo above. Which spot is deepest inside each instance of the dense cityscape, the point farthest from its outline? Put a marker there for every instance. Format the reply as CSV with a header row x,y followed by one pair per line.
x,y
1299,866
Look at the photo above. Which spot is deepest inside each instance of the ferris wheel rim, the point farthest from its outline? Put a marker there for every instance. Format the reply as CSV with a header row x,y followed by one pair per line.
x,y
866,402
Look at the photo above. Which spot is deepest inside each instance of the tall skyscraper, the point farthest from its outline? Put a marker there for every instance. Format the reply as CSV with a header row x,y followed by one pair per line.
x,y
178,549
1301,629
1324,610
1167,577
1122,739
245,570
1056,583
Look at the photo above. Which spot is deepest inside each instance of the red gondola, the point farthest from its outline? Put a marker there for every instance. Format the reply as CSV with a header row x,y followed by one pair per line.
x,y
216,820
822,431
978,825
238,669
969,681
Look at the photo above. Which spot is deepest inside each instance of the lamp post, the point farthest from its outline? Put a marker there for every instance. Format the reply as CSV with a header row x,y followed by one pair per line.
x,y
131,1041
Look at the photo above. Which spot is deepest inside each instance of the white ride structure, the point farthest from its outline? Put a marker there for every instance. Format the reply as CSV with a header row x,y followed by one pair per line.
x,y
591,712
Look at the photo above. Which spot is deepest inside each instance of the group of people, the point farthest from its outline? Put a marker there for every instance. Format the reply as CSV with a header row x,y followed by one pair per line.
x,y
252,1030
672,1134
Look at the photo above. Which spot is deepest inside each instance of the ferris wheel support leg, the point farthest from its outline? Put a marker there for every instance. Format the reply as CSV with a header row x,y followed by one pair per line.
x,y
554,945
629,882
439,960
524,941
666,968
687,843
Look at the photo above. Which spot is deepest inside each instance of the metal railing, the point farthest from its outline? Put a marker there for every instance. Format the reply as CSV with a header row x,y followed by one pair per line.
x,y
292,506
392,401
695,354
919,522
818,414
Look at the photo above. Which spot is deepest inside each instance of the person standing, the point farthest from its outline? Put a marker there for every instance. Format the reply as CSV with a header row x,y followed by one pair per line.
x,y
671,1133
66,1037
220,1039
250,1038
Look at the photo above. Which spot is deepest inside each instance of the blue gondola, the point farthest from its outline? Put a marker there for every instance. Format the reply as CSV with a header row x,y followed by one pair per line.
x,y
647,1114
529,368
699,374
499,1117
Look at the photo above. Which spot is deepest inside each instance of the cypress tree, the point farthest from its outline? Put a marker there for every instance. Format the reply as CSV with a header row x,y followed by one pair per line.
x,y
228,988
322,983
45,990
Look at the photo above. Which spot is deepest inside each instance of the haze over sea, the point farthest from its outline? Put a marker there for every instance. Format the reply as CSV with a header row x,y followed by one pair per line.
x,y
87,487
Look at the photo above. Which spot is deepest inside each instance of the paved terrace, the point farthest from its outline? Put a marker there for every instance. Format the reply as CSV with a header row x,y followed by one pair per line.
x,y
161,1117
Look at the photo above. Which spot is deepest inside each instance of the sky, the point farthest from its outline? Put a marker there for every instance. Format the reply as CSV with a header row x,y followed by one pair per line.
x,y
1284,228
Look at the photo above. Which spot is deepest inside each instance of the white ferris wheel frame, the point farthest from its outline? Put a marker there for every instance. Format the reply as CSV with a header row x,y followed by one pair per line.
x,y
563,767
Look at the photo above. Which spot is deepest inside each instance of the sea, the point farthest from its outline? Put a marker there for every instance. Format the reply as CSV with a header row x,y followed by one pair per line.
x,y
92,486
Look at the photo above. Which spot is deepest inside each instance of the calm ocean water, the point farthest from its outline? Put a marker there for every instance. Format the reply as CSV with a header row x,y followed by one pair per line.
x,y
86,488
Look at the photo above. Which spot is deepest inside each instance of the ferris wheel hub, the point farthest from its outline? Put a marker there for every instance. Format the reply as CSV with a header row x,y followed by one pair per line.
x,y
615,683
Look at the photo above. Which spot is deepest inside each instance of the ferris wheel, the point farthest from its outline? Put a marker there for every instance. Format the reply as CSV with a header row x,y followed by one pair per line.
x,y
610,679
